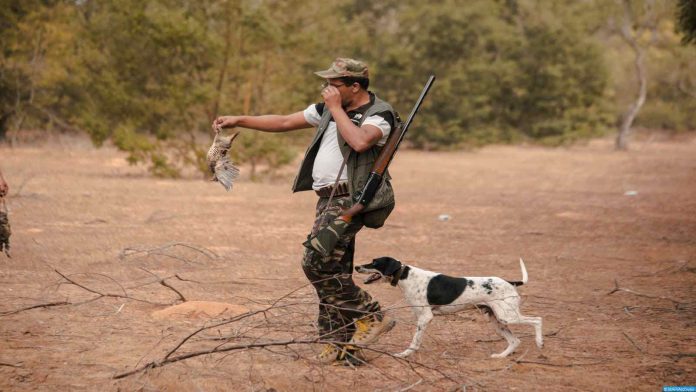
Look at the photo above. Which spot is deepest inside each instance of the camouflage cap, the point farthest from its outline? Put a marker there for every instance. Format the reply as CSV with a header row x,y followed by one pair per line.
x,y
345,67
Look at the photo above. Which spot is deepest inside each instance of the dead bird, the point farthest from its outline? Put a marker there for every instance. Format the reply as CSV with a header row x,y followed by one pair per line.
x,y
223,170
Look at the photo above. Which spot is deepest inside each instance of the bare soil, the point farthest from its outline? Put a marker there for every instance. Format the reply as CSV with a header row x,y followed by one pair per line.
x,y
609,240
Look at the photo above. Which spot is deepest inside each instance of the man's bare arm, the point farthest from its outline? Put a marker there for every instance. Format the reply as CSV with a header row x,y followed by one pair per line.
x,y
265,123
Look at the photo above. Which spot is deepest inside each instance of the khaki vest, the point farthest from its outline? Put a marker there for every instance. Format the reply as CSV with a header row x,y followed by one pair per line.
x,y
359,165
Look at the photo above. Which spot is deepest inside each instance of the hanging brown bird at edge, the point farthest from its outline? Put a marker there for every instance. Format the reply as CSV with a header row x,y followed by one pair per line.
x,y
223,170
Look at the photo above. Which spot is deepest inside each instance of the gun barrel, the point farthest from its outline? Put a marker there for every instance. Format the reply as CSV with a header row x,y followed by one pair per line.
x,y
390,149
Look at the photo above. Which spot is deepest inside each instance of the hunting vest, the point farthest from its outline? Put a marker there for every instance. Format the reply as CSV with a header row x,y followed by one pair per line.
x,y
358,166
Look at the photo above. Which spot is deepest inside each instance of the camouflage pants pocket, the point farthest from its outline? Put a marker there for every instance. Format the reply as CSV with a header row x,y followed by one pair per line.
x,y
325,252
340,300
5,233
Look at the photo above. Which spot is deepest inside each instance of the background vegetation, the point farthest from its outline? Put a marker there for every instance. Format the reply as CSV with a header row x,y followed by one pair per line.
x,y
149,76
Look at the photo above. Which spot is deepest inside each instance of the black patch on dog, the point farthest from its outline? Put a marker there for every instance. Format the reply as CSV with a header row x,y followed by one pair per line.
x,y
488,287
386,265
404,274
443,289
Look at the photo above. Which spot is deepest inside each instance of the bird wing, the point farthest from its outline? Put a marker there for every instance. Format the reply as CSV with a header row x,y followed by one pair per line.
x,y
226,172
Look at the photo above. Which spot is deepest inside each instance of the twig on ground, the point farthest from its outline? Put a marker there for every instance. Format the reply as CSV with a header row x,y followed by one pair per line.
x,y
46,305
185,280
11,364
163,282
619,288
158,250
415,384
632,342
168,359
100,294
678,356
548,335
567,365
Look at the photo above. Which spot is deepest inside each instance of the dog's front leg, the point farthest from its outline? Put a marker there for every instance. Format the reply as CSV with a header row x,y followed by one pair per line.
x,y
423,316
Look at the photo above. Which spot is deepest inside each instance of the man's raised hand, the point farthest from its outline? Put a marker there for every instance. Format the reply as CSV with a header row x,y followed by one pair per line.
x,y
332,97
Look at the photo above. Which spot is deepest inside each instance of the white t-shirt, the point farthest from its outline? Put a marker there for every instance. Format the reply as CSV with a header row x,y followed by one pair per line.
x,y
329,159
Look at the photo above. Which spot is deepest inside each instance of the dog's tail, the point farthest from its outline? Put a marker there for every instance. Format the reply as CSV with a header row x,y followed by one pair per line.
x,y
524,275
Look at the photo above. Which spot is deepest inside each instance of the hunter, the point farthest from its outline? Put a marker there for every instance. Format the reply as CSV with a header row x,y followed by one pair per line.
x,y
5,231
351,124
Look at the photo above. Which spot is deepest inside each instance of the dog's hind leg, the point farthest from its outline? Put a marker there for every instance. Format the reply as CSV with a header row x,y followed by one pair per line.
x,y
536,323
423,315
502,330
505,332
508,312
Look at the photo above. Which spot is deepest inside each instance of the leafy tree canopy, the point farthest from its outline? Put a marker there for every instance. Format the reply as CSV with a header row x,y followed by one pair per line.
x,y
149,76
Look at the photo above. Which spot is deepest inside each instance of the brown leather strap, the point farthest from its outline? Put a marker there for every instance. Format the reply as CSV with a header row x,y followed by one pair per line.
x,y
341,189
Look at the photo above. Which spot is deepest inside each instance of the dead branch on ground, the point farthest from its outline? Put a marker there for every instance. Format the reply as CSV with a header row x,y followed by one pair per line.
x,y
11,365
98,293
565,365
274,329
101,295
163,282
676,303
632,342
46,305
160,251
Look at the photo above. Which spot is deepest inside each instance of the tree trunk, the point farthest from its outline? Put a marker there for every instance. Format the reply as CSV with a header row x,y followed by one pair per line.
x,y
630,115
628,35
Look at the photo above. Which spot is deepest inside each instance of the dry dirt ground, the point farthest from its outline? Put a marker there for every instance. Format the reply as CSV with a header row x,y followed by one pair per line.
x,y
108,249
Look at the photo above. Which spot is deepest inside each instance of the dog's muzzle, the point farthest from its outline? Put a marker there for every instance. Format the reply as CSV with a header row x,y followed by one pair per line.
x,y
374,276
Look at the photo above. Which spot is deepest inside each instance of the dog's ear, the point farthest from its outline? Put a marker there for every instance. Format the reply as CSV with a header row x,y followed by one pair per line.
x,y
392,266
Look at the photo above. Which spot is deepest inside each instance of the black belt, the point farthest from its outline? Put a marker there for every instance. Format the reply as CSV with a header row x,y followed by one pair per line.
x,y
341,190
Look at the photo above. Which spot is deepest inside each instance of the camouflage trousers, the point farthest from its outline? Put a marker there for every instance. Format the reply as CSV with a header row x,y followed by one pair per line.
x,y
5,231
340,300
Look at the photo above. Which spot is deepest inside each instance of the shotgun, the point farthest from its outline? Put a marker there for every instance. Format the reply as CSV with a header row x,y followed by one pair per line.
x,y
325,240
363,198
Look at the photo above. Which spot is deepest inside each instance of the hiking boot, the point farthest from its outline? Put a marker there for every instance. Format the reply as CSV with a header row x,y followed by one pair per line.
x,y
369,328
328,354
351,356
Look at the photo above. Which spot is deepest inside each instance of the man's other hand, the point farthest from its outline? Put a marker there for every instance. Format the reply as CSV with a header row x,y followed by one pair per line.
x,y
225,122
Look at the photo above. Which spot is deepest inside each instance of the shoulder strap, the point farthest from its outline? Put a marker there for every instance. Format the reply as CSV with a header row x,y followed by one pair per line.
x,y
377,107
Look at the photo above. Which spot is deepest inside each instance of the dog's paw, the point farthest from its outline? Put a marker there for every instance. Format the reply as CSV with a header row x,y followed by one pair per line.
x,y
404,354
540,344
499,355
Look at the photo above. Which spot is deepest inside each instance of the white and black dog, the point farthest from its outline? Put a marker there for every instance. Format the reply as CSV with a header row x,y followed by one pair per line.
x,y
431,293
